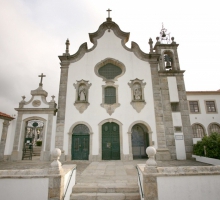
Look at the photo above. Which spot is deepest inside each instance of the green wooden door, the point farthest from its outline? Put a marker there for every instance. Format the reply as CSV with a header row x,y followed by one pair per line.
x,y
80,143
110,141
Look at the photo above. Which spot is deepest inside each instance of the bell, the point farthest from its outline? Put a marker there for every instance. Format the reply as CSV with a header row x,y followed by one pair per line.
x,y
168,65
163,35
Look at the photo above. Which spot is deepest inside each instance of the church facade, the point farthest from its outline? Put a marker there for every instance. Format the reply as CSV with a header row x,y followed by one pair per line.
x,y
113,103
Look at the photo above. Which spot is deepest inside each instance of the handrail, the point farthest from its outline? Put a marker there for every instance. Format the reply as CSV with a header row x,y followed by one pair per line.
x,y
68,182
142,194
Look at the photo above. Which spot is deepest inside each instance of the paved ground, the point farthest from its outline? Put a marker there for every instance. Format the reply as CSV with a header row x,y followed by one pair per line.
x,y
102,167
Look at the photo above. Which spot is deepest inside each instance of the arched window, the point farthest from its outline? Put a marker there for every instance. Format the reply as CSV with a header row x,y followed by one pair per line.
x,y
214,128
80,129
109,71
198,131
110,95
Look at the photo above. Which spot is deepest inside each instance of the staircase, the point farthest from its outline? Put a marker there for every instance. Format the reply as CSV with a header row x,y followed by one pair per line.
x,y
111,180
36,150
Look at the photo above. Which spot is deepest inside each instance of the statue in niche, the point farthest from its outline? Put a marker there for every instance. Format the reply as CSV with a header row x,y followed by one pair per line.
x,y
137,91
82,93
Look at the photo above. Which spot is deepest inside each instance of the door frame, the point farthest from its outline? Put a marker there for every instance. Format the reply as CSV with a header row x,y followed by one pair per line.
x,y
69,156
130,132
122,157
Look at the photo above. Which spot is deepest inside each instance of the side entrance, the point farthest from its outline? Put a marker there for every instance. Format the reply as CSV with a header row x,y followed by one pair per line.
x,y
110,141
80,142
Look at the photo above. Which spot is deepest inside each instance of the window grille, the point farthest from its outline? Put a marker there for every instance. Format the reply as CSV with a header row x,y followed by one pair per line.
x,y
210,106
110,71
214,128
194,106
110,95
80,129
198,131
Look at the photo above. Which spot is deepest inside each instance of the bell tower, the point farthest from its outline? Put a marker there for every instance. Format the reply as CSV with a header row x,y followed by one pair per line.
x,y
178,130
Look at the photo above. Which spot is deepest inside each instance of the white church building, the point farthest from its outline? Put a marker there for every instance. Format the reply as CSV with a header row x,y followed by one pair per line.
x,y
113,102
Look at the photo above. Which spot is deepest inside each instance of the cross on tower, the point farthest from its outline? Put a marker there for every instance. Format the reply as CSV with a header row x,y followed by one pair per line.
x,y
108,12
42,75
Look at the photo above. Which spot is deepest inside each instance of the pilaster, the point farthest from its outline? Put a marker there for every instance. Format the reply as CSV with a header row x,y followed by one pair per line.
x,y
163,152
62,107
3,138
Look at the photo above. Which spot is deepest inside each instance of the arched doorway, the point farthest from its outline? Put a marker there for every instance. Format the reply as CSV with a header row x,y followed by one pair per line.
x,y
140,141
110,141
33,139
80,142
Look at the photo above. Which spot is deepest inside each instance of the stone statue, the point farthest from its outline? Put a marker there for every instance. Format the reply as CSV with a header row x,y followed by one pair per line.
x,y
82,93
137,92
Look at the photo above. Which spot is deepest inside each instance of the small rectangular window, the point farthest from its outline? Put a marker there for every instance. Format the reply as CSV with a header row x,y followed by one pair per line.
x,y
210,106
175,107
194,106
110,95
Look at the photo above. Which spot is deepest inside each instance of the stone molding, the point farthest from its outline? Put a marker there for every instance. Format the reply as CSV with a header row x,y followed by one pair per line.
x,y
82,105
110,108
108,26
70,133
110,120
137,104
151,143
112,61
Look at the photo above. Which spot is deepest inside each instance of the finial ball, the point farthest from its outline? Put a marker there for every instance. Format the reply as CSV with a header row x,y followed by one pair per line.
x,y
151,151
157,38
56,153
172,38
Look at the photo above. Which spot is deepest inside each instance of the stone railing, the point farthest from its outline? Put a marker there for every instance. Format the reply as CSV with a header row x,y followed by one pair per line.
x,y
183,182
46,184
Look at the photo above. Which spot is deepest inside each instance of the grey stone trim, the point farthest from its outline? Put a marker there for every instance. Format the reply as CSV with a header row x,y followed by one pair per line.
x,y
110,108
138,105
112,61
120,135
186,124
59,138
20,131
69,156
3,138
81,106
108,26
147,126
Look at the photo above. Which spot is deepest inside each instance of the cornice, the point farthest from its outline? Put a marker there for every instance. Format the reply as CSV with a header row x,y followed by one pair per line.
x,y
171,73
203,92
108,26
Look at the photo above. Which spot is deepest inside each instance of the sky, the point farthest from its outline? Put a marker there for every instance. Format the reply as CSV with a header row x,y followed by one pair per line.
x,y
33,35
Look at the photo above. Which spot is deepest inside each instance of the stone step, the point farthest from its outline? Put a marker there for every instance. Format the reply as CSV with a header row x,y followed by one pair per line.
x,y
36,151
106,188
105,196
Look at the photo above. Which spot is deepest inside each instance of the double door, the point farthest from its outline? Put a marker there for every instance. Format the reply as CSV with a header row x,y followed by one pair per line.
x,y
110,141
80,147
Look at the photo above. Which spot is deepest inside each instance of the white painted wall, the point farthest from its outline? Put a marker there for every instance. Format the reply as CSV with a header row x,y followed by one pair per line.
x,y
109,46
203,117
174,97
1,126
24,189
180,146
189,187
177,119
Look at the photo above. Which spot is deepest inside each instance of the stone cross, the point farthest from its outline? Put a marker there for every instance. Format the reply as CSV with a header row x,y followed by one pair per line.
x,y
108,12
42,75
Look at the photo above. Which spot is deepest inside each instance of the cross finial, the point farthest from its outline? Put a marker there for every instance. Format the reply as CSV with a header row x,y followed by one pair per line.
x,y
108,12
42,75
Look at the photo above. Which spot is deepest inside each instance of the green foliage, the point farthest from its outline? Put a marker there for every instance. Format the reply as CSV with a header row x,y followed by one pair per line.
x,y
212,146
39,143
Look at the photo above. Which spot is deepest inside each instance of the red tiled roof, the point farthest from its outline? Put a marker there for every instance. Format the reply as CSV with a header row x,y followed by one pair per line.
x,y
5,115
